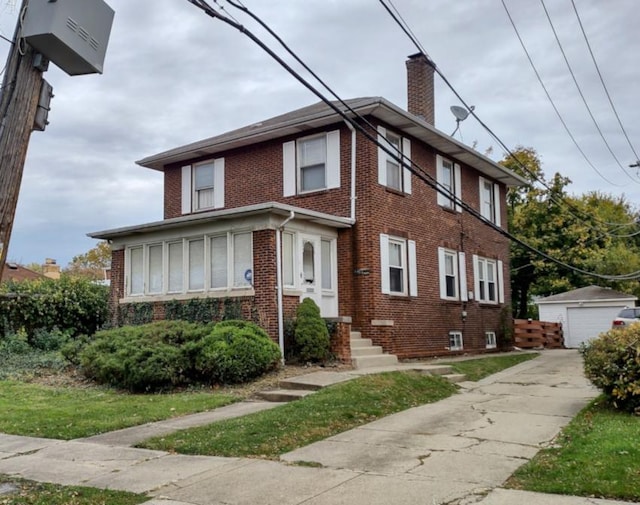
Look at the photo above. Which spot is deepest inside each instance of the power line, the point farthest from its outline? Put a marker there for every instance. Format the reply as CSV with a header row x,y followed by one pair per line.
x,y
584,100
613,107
404,26
400,157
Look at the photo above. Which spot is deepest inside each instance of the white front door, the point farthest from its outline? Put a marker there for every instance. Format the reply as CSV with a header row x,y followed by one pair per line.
x,y
317,273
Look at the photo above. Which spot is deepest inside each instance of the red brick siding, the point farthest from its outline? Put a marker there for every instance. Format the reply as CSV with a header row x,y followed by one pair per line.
x,y
117,284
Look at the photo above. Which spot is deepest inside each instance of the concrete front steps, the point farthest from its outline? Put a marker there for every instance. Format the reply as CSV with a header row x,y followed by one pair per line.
x,y
295,388
366,355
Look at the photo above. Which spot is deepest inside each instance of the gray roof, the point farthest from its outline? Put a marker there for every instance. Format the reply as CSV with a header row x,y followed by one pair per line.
x,y
319,115
588,294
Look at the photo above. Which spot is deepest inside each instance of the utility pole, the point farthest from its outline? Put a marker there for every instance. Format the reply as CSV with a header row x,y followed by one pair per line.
x,y
19,98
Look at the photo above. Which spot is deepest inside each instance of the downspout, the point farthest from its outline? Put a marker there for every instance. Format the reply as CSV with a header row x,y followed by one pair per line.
x,y
353,171
279,282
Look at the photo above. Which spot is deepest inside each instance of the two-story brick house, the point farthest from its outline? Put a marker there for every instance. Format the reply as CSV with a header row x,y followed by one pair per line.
x,y
302,205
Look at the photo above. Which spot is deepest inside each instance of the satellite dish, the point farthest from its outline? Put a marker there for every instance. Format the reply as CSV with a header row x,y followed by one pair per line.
x,y
460,114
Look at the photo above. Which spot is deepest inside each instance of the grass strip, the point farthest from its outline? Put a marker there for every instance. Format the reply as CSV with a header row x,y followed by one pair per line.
x,y
67,413
476,369
325,413
24,492
596,455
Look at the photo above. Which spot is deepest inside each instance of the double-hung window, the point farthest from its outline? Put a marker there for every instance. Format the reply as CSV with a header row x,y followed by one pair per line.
x,y
311,163
203,186
398,266
490,201
449,183
488,280
453,274
394,160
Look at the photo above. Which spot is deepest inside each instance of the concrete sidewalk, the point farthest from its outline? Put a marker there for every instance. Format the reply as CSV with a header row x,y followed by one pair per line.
x,y
457,451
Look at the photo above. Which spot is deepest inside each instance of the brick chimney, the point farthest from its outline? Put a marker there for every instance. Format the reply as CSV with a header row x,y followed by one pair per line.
x,y
420,93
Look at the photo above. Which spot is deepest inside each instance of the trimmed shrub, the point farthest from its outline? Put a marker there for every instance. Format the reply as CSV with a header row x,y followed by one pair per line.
x,y
612,363
236,351
311,334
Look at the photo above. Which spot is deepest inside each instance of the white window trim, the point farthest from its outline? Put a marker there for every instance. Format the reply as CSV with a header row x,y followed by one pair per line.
x,y
442,199
495,203
497,265
405,159
490,339
188,199
291,179
185,292
410,267
458,344
459,265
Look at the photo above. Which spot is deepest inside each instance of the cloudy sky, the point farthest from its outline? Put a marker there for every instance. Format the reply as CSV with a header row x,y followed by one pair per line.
x,y
173,75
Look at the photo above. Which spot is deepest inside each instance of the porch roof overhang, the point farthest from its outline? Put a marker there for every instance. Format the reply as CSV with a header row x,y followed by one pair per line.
x,y
316,116
273,208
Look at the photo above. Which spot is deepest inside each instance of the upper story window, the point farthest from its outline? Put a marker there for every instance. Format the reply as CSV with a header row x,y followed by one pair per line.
x,y
203,186
449,181
311,163
490,200
453,274
398,266
488,280
393,166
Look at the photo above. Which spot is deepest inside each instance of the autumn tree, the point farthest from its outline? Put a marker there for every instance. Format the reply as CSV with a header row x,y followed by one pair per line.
x,y
92,264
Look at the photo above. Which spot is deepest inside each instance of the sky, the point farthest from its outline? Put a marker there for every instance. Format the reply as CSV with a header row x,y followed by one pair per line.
x,y
173,75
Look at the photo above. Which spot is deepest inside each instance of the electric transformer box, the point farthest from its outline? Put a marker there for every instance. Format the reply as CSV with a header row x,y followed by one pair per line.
x,y
73,34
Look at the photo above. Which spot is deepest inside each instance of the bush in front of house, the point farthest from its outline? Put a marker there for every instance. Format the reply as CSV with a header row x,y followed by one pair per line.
x,y
612,363
236,351
167,354
311,334
69,305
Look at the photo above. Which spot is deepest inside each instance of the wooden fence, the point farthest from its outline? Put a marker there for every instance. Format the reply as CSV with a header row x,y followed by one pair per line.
x,y
528,334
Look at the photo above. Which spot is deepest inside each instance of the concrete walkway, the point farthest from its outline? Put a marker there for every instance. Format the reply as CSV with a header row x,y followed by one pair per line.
x,y
457,452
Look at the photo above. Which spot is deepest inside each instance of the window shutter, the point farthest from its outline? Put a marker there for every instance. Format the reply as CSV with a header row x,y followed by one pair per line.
x,y
457,180
218,183
384,263
496,203
289,168
462,272
442,271
500,282
406,176
382,156
186,189
442,199
476,279
333,159
413,269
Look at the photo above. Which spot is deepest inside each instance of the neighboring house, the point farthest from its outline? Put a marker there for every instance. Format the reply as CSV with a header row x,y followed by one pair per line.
x,y
304,199
584,312
17,273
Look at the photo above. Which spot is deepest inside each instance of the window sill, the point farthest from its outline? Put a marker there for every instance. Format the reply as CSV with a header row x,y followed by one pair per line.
x,y
233,293
395,191
450,210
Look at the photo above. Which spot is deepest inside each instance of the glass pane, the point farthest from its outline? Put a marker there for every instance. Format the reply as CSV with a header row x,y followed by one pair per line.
x,y
204,198
287,259
155,269
491,267
395,254
219,265
196,264
451,286
393,175
312,177
203,177
396,278
175,267
136,271
242,260
325,254
313,151
449,264
492,291
308,263
482,290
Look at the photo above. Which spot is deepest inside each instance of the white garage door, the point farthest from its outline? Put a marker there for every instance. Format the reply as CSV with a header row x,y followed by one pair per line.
x,y
587,322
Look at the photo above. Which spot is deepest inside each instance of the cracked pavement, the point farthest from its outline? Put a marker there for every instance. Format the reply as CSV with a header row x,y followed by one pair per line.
x,y
458,451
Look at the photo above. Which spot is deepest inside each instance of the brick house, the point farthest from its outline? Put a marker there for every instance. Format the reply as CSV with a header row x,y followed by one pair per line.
x,y
302,206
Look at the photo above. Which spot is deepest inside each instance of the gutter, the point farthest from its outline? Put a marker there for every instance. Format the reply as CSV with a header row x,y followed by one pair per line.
x,y
353,171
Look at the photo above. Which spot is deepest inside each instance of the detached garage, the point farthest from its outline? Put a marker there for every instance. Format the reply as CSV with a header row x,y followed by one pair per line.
x,y
584,312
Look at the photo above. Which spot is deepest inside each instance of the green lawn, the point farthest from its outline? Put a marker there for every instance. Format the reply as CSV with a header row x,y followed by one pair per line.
x,y
24,492
68,413
476,369
330,411
597,454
